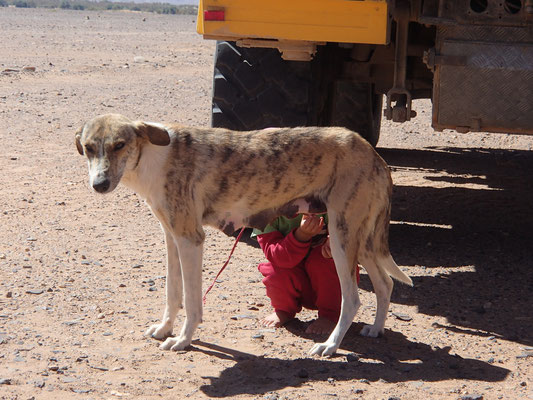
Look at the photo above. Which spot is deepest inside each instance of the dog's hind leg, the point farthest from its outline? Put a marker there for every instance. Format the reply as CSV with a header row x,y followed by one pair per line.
x,y
190,254
382,283
350,296
174,292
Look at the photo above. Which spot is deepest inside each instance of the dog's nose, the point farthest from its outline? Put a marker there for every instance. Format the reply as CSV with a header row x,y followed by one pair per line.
x,y
101,185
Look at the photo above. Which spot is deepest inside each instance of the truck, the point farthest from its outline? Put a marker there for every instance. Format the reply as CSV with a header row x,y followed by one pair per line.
x,y
335,62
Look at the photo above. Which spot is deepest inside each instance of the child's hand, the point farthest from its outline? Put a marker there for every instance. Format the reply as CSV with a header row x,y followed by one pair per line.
x,y
326,249
310,226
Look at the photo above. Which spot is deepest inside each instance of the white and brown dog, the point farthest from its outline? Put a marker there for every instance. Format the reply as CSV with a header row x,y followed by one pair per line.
x,y
192,177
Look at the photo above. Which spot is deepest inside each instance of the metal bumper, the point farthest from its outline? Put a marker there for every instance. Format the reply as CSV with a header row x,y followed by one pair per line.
x,y
342,21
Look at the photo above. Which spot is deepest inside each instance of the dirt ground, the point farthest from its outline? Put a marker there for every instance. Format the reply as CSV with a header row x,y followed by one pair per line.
x,y
82,275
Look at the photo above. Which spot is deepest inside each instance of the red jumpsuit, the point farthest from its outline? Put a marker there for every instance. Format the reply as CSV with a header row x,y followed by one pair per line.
x,y
298,275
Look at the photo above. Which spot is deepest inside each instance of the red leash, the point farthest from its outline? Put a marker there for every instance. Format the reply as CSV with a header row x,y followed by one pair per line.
x,y
225,264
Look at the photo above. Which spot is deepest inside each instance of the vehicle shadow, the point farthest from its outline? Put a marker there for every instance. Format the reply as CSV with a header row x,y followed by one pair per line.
x,y
479,215
482,218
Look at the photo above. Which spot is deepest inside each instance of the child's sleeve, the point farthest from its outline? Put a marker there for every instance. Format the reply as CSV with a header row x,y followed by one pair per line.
x,y
284,252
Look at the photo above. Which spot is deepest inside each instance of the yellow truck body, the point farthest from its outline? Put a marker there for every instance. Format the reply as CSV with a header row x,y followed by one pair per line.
x,y
341,21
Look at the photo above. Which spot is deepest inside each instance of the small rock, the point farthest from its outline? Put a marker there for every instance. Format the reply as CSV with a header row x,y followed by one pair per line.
x,y
241,316
35,291
100,368
9,295
53,368
472,397
139,59
258,336
402,316
152,289
5,381
100,316
107,334
352,357
136,266
81,391
38,384
303,374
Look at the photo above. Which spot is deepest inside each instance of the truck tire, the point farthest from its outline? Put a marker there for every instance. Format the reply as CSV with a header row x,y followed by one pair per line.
x,y
254,88
357,107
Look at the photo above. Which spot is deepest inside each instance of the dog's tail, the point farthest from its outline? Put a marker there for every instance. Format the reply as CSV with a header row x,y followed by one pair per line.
x,y
389,265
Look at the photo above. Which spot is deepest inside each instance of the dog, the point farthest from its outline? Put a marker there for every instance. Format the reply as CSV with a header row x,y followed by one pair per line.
x,y
192,177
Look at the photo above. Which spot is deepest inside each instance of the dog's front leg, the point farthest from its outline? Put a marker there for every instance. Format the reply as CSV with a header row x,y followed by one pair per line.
x,y
174,292
191,268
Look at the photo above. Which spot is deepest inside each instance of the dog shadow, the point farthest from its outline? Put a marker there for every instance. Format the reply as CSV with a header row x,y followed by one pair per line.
x,y
392,358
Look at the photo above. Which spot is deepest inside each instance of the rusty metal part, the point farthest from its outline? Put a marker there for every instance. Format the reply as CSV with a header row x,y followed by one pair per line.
x,y
432,58
401,111
529,6
290,49
489,89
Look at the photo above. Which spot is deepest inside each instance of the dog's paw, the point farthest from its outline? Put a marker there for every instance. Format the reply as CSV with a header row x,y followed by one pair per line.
x,y
323,349
175,344
371,331
159,331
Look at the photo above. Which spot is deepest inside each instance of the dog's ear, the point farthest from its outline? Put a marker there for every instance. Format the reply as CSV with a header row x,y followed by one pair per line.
x,y
78,140
155,133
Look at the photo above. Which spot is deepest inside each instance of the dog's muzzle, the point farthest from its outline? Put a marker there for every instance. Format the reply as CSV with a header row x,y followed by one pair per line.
x,y
101,185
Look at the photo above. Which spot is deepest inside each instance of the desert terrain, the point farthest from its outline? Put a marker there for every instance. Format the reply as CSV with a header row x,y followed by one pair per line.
x,y
82,275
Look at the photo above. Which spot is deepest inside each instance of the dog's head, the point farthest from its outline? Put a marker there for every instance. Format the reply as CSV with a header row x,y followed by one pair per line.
x,y
112,144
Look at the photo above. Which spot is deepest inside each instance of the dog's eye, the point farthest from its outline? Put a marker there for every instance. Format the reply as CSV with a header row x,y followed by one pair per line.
x,y
119,146
89,149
